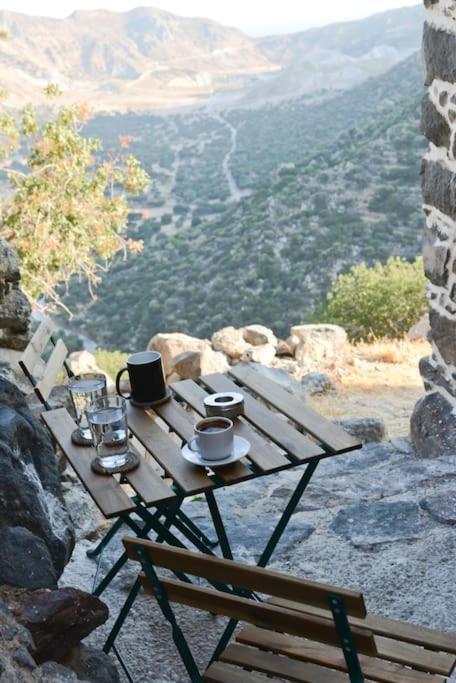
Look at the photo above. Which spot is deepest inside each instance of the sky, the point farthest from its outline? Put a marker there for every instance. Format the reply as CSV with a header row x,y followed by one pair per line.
x,y
256,17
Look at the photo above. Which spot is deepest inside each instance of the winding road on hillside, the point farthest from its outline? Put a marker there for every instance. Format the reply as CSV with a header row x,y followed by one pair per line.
x,y
236,193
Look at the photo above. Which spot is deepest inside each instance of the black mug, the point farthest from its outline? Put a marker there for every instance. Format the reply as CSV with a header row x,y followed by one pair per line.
x,y
147,381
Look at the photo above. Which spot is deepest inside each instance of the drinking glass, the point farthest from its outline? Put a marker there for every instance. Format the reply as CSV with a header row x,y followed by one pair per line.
x,y
107,418
84,389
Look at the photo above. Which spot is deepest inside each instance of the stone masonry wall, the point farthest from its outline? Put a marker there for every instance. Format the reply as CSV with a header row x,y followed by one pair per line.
x,y
433,424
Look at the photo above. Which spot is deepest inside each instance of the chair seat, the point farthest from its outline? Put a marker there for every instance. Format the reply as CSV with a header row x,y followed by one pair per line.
x,y
283,657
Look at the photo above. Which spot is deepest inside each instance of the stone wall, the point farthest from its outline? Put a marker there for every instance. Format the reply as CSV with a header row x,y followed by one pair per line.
x,y
15,310
433,423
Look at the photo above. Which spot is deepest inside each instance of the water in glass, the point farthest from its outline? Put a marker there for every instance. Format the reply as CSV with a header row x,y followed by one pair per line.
x,y
108,424
84,389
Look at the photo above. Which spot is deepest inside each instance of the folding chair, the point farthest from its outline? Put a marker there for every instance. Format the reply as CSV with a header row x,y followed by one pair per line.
x,y
304,631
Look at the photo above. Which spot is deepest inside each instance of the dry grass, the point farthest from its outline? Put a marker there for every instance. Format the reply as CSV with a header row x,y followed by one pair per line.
x,y
376,380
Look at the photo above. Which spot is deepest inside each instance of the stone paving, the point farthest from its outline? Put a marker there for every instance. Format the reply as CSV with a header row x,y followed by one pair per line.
x,y
380,520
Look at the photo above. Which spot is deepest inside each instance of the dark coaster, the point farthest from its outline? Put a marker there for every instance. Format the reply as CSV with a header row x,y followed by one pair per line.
x,y
79,440
154,403
133,460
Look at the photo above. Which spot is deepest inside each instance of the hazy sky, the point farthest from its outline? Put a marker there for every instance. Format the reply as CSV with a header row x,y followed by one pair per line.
x,y
253,16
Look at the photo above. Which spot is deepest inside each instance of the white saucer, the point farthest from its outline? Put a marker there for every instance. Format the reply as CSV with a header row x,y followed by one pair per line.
x,y
241,448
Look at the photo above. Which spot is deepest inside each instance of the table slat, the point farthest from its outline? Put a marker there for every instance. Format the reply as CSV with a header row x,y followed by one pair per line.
x,y
180,421
104,489
149,485
190,478
322,429
277,429
263,454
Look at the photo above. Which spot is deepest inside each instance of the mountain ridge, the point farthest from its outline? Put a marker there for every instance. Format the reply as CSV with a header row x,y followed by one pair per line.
x,y
147,58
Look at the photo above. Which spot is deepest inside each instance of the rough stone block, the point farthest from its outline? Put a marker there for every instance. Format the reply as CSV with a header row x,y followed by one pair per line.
x,y
444,335
439,188
380,522
433,125
436,260
441,506
439,48
433,427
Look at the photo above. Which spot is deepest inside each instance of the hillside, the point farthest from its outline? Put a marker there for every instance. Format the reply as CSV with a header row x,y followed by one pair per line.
x,y
315,208
147,58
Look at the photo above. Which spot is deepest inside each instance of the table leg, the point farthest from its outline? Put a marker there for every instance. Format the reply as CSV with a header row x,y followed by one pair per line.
x,y
218,525
196,530
271,546
287,513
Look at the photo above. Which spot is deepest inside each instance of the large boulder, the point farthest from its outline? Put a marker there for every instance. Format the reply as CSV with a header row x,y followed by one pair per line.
x,y
59,619
365,429
317,343
230,341
55,623
265,353
317,383
433,426
259,335
172,344
82,362
193,364
33,519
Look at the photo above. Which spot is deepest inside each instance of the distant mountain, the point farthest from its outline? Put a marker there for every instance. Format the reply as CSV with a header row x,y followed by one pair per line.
x,y
144,57
331,184
147,58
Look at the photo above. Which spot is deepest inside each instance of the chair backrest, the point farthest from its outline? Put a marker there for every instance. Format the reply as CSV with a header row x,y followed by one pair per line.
x,y
264,581
43,382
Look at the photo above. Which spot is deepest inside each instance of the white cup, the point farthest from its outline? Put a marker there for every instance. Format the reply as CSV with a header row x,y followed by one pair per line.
x,y
214,438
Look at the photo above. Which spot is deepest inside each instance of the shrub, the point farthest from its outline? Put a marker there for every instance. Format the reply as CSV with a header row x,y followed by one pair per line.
x,y
111,361
384,300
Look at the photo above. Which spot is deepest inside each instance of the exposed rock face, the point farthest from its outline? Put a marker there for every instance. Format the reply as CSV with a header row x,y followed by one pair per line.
x,y
36,533
433,424
15,310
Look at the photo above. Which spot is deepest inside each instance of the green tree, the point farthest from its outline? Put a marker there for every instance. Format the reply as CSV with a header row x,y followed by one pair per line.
x,y
384,300
68,209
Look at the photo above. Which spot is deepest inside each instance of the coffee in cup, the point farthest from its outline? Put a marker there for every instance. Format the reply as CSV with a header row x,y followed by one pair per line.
x,y
214,438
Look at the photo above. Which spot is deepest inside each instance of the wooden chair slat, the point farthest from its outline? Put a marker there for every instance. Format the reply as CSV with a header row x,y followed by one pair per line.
x,y
37,344
282,667
417,657
389,628
224,673
261,614
105,490
180,422
191,479
52,369
272,425
263,454
149,485
332,657
242,575
326,432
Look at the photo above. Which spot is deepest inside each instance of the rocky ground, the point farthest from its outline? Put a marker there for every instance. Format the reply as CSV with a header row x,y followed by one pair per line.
x,y
379,520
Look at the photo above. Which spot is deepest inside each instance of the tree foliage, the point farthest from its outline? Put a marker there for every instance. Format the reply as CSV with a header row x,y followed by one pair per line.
x,y
68,208
384,300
